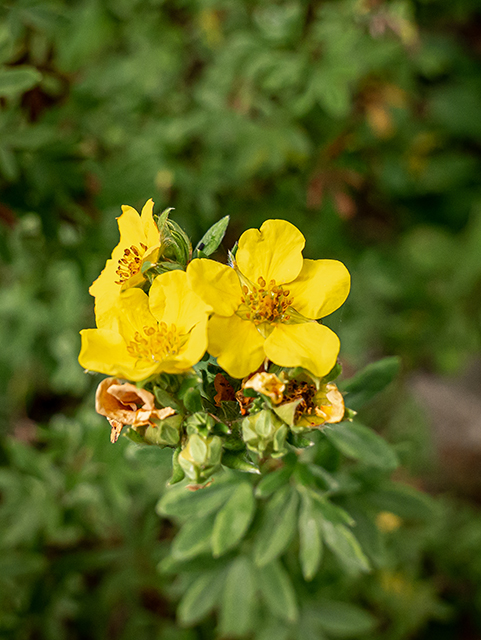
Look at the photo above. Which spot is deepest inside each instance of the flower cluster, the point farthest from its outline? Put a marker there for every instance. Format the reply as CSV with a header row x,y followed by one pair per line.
x,y
230,361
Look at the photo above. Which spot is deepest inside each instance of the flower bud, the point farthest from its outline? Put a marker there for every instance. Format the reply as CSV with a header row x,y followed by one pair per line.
x,y
264,433
200,457
164,433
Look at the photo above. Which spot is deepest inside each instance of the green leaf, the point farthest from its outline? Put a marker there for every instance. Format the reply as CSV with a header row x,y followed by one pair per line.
x,y
310,543
238,599
277,591
274,630
233,520
366,384
404,501
193,539
179,502
329,511
361,443
18,80
192,400
240,461
177,472
212,238
166,400
287,411
342,619
200,598
273,481
278,526
345,547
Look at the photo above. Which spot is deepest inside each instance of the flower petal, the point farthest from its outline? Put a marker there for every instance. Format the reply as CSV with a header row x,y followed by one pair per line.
x,y
191,352
105,351
309,345
130,227
321,287
274,252
172,301
236,344
216,283
133,313
149,228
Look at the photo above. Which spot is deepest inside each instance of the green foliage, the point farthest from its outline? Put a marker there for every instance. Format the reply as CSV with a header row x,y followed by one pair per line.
x,y
357,121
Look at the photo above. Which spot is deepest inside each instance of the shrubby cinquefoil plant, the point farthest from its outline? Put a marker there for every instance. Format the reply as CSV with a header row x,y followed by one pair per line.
x,y
230,366
160,307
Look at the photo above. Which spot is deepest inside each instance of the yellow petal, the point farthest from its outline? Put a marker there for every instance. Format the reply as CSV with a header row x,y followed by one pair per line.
x,y
149,228
236,344
133,313
191,352
217,284
321,287
173,301
309,345
273,253
130,227
105,351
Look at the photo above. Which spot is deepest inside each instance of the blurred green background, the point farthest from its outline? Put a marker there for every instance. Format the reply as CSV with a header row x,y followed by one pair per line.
x,y
357,120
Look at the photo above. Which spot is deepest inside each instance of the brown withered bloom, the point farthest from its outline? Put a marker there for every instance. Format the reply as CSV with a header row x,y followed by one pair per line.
x,y
268,384
317,407
124,403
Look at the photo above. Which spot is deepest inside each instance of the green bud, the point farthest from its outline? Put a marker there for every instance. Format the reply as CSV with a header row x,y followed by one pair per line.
x,y
166,433
200,457
175,245
265,433
200,422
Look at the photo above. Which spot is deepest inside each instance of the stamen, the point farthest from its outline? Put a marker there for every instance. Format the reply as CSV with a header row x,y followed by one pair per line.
x,y
156,343
130,263
266,303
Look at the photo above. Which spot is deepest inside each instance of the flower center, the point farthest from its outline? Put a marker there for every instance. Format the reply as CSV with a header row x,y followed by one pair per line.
x,y
130,263
155,343
266,302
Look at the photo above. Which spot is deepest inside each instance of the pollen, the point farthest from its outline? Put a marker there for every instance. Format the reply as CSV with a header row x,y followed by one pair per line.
x,y
155,343
267,302
130,263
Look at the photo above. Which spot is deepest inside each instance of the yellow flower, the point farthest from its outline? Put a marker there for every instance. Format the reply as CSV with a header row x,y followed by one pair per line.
x,y
165,331
266,306
139,242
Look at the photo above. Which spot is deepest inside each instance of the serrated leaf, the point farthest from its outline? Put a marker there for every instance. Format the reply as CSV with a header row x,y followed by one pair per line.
x,y
366,384
193,539
278,526
277,591
18,80
361,443
200,598
211,240
238,599
310,542
233,520
180,503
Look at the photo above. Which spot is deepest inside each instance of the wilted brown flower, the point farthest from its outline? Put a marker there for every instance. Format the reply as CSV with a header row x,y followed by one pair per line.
x,y
268,384
124,403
